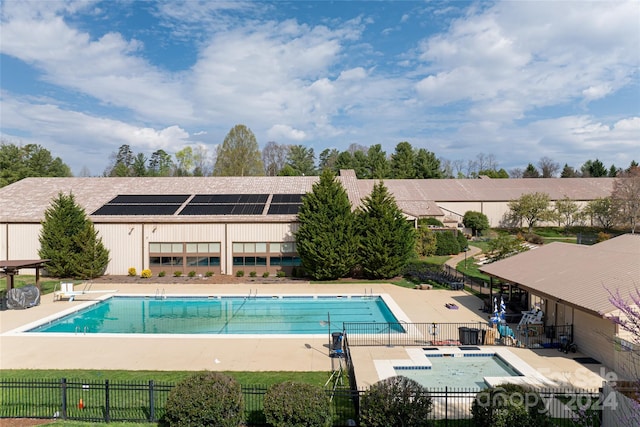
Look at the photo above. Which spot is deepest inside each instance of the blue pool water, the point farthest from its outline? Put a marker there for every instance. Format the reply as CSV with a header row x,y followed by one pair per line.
x,y
223,315
459,372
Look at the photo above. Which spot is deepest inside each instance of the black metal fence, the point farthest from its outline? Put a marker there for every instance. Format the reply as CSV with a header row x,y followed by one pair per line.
x,y
457,334
115,401
111,401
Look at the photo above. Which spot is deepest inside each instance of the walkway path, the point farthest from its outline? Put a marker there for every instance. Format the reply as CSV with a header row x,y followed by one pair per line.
x,y
473,251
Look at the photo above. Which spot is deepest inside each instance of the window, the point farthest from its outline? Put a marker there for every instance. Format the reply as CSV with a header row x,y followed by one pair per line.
x,y
191,254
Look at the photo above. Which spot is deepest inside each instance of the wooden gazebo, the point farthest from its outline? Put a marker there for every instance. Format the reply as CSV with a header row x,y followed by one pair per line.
x,y
12,267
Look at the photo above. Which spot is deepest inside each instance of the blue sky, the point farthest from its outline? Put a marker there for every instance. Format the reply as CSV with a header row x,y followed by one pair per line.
x,y
514,80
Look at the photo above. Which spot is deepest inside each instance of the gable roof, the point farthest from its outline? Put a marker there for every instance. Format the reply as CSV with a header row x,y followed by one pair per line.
x,y
579,275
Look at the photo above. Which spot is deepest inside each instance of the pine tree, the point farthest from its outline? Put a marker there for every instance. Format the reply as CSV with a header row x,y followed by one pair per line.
x,y
387,239
326,240
92,258
70,242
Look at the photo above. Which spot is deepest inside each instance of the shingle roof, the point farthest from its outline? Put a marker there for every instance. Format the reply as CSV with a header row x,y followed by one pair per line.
x,y
27,200
579,275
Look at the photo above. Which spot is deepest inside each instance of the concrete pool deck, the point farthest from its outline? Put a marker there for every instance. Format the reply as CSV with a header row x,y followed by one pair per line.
x,y
225,353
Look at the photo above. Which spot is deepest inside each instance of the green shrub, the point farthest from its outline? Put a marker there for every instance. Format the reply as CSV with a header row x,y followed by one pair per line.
x,y
265,274
395,401
177,273
430,221
205,399
253,274
132,271
292,404
281,273
192,274
162,274
446,243
240,273
534,238
208,273
462,240
509,405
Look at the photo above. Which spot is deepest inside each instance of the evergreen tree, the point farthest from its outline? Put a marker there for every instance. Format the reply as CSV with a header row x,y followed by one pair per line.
x,y
531,172
403,161
326,239
22,161
70,242
387,239
92,256
379,167
427,166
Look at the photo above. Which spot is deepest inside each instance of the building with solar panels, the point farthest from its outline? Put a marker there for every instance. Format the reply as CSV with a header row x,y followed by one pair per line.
x,y
225,224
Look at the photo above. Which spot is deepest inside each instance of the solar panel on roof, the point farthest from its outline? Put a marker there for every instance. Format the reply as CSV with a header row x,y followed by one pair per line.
x,y
129,209
207,210
283,209
287,198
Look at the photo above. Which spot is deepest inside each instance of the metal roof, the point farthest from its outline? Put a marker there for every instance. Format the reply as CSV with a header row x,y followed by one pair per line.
x,y
466,190
579,275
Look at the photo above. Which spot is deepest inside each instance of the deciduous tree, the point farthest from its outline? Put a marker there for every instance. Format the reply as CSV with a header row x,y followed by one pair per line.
x,y
239,154
387,240
476,221
326,239
625,199
532,208
274,157
601,212
568,213
548,167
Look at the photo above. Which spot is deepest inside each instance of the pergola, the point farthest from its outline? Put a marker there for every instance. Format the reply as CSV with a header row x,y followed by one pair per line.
x,y
12,267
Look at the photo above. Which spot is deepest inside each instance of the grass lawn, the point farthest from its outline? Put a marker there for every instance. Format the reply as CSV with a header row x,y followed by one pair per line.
x,y
47,286
265,378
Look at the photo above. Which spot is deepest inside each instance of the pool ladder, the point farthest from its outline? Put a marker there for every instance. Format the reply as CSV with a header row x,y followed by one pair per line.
x,y
368,295
83,330
251,293
160,295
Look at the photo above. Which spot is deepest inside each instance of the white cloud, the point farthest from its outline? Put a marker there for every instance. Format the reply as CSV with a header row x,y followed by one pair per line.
x,y
532,56
81,139
107,69
286,133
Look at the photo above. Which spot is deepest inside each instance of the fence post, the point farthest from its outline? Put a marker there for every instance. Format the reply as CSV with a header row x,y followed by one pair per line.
x,y
106,401
152,406
63,390
446,406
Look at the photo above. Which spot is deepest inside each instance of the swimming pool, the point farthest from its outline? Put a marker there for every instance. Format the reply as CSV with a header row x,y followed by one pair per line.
x,y
464,370
222,315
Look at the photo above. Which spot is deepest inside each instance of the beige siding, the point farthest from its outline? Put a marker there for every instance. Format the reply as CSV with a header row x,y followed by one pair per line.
x,y
24,241
3,241
125,246
459,208
627,360
594,337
